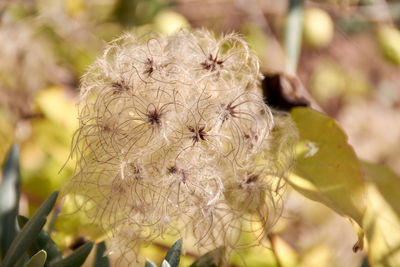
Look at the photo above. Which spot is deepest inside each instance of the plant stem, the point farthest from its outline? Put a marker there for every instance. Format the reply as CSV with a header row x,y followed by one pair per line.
x,y
293,32
273,248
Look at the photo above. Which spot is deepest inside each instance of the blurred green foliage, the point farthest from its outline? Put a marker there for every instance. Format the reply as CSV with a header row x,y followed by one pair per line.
x,y
138,12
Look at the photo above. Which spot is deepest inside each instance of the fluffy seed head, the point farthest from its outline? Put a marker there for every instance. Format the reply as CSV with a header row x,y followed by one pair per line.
x,y
175,138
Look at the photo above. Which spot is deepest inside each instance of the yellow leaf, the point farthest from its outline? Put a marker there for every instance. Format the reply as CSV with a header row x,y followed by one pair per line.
x,y
387,182
327,169
382,218
382,229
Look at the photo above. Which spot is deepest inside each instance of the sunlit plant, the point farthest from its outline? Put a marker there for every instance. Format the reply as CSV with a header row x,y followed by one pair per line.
x,y
176,141
175,138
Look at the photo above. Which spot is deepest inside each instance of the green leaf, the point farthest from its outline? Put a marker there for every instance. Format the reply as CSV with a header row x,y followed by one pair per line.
x,y
101,260
53,220
327,169
173,256
365,263
165,264
42,242
382,220
38,260
150,264
9,199
21,261
138,12
30,232
77,258
210,259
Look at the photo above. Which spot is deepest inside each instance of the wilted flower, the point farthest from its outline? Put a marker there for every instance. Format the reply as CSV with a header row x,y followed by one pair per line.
x,y
175,138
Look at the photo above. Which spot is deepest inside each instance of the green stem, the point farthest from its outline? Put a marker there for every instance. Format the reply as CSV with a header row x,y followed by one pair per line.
x,y
293,32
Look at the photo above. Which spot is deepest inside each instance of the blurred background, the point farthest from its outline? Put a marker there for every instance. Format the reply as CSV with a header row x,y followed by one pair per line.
x,y
348,67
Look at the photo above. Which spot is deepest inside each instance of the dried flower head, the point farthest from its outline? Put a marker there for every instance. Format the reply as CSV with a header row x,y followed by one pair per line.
x,y
175,138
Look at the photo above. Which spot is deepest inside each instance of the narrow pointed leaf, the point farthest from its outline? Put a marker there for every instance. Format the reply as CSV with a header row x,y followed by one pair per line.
x,y
9,199
150,264
53,220
22,261
101,260
77,258
365,263
30,232
210,259
42,242
38,260
174,254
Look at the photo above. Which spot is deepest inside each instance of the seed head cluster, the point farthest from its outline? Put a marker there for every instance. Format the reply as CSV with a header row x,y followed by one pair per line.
x,y
175,138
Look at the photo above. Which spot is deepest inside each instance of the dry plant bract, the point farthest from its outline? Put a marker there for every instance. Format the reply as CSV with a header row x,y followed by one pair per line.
x,y
175,138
